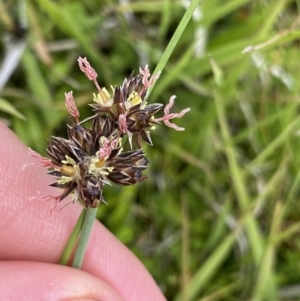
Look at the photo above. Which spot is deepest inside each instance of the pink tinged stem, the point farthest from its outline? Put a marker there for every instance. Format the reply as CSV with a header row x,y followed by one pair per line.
x,y
124,128
50,198
167,117
107,147
91,74
123,124
56,199
104,150
43,162
146,74
71,106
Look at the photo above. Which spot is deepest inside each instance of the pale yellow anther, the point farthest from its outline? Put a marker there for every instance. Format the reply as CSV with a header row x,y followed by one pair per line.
x,y
68,170
96,98
103,97
99,163
134,98
68,161
97,167
102,140
64,180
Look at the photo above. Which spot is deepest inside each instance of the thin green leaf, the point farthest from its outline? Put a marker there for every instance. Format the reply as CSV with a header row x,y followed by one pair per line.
x,y
69,248
6,107
175,38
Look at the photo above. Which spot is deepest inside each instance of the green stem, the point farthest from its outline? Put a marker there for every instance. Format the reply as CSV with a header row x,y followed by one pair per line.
x,y
176,36
65,257
84,236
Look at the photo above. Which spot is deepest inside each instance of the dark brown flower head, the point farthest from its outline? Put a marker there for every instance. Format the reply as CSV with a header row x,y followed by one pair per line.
x,y
131,93
139,120
126,105
93,157
90,158
128,167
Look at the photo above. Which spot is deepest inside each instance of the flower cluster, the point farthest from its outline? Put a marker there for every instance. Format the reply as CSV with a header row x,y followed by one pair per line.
x,y
93,156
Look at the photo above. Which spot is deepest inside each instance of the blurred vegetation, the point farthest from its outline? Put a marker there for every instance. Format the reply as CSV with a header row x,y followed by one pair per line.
x,y
219,216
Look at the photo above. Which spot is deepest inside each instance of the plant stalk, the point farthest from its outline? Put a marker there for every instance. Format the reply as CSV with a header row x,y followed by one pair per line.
x,y
65,257
84,236
174,40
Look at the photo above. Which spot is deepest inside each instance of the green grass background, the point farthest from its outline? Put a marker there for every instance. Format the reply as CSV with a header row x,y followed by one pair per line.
x,y
219,216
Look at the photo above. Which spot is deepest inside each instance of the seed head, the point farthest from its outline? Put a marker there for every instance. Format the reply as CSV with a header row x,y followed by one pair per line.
x,y
92,157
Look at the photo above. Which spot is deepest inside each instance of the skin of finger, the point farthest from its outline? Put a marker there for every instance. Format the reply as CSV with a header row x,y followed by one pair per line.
x,y
27,234
37,281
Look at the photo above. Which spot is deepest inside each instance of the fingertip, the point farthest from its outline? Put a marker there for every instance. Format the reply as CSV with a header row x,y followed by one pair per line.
x,y
41,281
